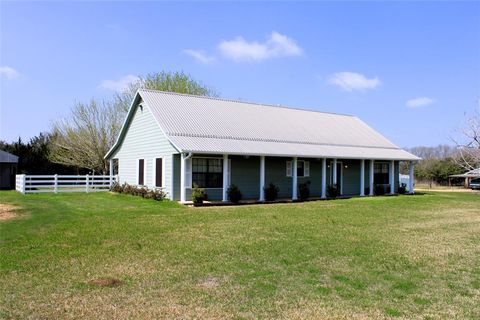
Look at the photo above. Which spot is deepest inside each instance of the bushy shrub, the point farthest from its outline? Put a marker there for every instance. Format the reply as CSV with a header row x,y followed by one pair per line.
x,y
333,191
271,192
402,189
379,189
155,194
234,194
198,195
304,190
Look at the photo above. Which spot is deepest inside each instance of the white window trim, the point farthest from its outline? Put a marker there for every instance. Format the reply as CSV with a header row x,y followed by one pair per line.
x,y
154,170
341,175
144,172
298,161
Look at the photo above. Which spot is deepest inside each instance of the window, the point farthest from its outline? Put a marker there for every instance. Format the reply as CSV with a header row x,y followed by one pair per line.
x,y
207,172
381,173
141,172
303,168
158,172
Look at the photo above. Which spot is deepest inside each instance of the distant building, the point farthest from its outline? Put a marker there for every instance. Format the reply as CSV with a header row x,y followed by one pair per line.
x,y
472,176
8,169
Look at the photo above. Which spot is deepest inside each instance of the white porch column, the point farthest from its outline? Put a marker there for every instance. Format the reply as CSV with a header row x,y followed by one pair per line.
x,y
183,191
334,172
371,176
362,178
225,178
111,171
294,178
324,178
410,181
391,178
262,178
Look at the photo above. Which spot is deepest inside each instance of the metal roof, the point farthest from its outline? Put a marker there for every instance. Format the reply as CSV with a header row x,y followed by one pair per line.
x,y
212,125
475,173
6,157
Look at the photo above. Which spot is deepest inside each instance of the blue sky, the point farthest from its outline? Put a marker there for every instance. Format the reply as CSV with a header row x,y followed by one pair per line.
x,y
409,69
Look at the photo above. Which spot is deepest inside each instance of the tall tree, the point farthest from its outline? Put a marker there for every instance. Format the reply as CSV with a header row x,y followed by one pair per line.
x,y
90,131
179,82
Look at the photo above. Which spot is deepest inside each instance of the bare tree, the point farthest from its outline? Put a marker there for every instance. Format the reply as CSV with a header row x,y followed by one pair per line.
x,y
468,141
85,136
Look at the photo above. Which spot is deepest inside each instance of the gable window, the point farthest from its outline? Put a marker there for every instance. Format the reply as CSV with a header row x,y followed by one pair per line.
x,y
380,173
303,168
141,172
159,172
207,172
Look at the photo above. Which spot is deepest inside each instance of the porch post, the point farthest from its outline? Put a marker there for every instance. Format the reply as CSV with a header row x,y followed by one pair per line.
x,y
334,172
410,181
294,178
324,178
392,174
371,176
225,178
183,191
362,178
262,178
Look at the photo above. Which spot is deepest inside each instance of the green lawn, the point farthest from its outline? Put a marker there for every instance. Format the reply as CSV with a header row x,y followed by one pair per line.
x,y
407,256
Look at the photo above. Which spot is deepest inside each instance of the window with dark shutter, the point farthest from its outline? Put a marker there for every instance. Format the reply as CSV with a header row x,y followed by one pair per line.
x,y
158,172
141,172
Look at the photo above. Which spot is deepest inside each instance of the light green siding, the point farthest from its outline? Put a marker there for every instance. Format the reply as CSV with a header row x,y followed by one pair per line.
x,y
144,140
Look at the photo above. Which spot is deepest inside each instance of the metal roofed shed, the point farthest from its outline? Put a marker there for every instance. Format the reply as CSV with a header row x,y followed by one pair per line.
x,y
8,169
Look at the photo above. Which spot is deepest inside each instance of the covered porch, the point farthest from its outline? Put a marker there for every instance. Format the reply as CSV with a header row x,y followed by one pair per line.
x,y
252,173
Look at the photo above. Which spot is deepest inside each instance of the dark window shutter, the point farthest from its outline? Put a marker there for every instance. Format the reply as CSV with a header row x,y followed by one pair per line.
x,y
141,171
158,172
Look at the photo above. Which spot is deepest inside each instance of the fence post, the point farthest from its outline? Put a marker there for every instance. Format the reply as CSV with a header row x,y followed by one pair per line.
x,y
24,182
55,186
86,183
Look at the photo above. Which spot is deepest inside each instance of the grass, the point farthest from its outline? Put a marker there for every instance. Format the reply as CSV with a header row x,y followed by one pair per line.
x,y
386,257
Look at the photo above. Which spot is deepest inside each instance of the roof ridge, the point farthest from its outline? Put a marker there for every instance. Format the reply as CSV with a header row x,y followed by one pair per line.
x,y
247,102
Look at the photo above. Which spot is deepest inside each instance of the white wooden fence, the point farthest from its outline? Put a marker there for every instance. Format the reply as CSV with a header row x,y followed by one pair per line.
x,y
62,183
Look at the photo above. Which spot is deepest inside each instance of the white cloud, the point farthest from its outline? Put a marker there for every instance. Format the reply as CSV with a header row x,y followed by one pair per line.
x,y
277,45
9,72
351,81
419,102
199,56
119,85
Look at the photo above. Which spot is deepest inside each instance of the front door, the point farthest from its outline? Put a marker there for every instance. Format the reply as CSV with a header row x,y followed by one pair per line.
x,y
340,177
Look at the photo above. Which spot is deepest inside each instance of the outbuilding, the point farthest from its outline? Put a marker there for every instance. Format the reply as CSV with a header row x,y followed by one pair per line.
x,y
175,141
8,170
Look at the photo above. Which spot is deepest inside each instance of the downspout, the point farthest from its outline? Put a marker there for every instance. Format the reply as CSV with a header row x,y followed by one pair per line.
x,y
188,156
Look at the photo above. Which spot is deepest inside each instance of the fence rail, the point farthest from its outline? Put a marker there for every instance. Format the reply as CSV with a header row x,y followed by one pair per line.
x,y
63,183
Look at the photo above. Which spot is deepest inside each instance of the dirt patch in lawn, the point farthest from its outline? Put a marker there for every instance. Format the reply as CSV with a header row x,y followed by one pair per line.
x,y
105,282
8,212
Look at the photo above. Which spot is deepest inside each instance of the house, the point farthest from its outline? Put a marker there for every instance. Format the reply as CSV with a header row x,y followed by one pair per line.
x,y
175,141
8,169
